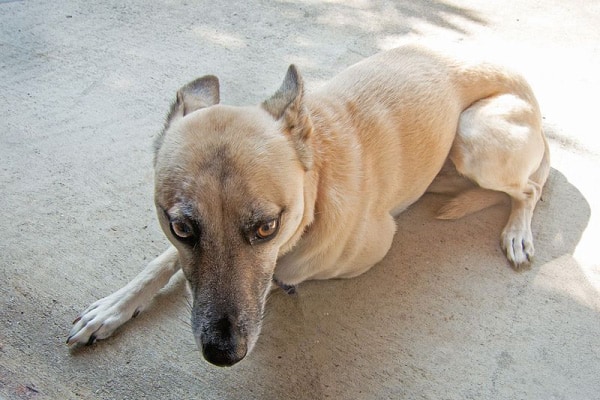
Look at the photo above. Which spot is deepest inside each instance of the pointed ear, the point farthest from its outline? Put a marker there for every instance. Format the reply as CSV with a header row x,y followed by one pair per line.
x,y
197,94
287,105
291,89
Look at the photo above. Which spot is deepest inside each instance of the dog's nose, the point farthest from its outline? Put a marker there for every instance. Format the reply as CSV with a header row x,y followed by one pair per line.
x,y
225,346
217,354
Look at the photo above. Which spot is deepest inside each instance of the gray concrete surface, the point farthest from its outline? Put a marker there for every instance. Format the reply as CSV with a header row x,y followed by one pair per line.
x,y
84,86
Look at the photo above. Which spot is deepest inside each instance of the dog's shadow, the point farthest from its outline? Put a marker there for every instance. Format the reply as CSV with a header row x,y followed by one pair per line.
x,y
442,291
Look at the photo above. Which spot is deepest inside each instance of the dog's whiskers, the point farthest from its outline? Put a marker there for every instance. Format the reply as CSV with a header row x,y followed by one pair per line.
x,y
185,322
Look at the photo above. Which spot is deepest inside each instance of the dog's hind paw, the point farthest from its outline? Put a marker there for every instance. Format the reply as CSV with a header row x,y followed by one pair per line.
x,y
100,320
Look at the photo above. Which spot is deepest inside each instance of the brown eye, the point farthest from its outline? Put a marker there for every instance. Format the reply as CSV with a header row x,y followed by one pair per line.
x,y
267,229
182,229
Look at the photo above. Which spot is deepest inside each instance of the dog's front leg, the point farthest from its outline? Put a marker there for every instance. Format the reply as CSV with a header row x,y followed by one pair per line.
x,y
101,319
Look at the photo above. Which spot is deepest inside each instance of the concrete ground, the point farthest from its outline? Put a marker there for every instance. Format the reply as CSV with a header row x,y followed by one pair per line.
x,y
84,87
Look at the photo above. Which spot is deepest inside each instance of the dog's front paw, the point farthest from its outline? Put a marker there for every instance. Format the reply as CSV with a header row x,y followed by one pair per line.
x,y
101,319
518,246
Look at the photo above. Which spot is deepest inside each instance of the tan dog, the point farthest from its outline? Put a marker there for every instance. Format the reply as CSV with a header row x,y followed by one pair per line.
x,y
307,186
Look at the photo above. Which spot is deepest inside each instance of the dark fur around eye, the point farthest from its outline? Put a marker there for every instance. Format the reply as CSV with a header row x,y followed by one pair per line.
x,y
265,230
184,229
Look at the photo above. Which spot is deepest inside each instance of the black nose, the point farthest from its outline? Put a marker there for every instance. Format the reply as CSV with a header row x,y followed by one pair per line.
x,y
221,356
224,346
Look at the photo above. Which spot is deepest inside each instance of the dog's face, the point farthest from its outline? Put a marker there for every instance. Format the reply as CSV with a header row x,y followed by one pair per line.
x,y
229,192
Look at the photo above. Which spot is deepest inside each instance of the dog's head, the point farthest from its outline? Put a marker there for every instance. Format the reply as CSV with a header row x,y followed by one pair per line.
x,y
229,192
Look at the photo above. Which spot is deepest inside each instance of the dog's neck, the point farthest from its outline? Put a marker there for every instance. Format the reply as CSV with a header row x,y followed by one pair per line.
x,y
325,203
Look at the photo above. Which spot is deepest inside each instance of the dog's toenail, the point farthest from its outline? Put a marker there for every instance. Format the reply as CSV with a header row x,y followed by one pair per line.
x,y
91,341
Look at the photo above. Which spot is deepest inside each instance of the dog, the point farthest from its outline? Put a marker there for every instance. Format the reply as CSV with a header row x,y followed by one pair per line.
x,y
307,185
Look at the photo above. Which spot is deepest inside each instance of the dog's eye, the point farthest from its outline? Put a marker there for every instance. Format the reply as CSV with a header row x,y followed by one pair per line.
x,y
268,229
182,229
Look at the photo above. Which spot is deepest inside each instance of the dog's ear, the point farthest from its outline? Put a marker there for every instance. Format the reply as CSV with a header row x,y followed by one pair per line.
x,y
197,94
287,104
291,91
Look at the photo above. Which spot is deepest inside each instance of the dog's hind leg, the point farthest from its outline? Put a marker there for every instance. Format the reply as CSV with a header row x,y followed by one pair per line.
x,y
501,147
468,197
100,319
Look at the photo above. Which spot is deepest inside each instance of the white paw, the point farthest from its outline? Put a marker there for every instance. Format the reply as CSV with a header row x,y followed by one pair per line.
x,y
101,319
518,246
